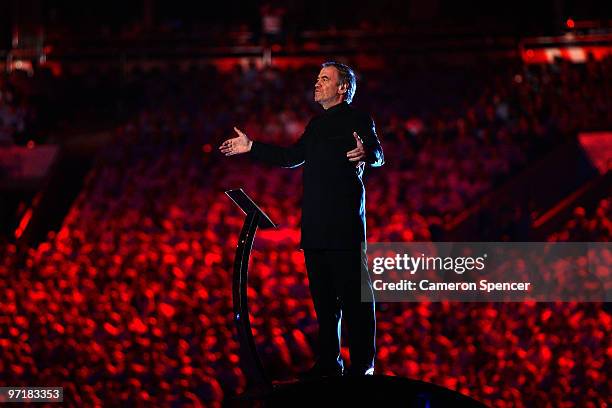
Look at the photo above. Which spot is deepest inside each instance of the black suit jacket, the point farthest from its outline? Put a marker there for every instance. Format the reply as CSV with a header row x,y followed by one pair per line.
x,y
333,202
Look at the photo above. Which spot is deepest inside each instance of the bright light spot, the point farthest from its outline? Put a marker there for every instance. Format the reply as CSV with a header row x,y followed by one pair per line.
x,y
570,23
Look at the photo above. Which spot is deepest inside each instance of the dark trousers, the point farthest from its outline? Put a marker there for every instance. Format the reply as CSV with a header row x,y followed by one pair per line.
x,y
337,287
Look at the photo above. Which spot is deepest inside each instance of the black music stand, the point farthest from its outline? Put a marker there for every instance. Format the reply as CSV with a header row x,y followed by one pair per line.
x,y
250,363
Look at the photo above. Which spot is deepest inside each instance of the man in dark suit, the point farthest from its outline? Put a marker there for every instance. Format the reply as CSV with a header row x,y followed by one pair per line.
x,y
334,150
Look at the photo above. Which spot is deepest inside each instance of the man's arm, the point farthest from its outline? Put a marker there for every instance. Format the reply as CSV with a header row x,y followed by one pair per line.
x,y
368,148
291,156
288,157
373,150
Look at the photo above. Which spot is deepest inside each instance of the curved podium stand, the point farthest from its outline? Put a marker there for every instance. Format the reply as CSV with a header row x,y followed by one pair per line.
x,y
258,382
377,390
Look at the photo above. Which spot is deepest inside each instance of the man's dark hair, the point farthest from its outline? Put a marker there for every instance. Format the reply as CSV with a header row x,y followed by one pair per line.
x,y
347,76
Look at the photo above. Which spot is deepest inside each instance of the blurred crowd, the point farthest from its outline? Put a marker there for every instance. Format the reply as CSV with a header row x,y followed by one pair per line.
x,y
596,226
130,301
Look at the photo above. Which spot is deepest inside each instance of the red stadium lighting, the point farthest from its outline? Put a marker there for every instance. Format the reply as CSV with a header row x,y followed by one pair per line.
x,y
570,23
23,223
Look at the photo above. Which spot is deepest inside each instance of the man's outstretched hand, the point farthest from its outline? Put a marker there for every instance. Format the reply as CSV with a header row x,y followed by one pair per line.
x,y
237,145
356,155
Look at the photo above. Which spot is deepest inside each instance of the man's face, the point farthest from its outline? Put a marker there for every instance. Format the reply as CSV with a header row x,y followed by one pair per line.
x,y
328,90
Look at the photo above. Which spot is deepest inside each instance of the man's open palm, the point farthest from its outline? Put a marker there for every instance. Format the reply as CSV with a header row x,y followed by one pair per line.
x,y
237,145
357,154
